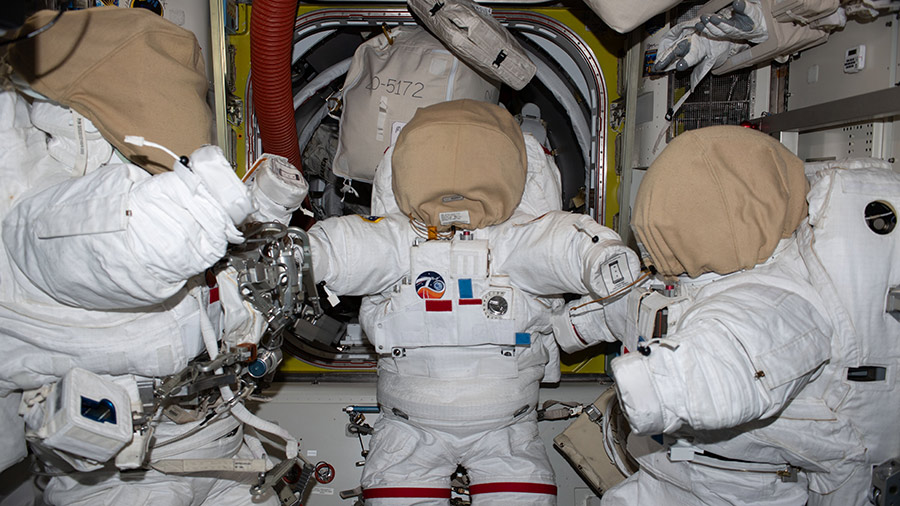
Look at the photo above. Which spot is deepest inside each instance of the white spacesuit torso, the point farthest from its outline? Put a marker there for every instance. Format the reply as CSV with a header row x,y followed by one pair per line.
x,y
49,338
478,308
815,340
477,353
100,297
454,318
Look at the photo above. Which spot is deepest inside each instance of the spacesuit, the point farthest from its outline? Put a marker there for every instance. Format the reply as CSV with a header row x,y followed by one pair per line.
x,y
461,273
763,367
102,284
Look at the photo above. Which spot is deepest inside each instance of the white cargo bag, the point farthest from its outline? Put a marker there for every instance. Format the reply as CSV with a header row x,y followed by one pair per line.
x,y
477,38
802,11
624,16
390,76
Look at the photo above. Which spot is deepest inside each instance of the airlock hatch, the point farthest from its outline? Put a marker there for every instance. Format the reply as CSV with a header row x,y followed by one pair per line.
x,y
568,98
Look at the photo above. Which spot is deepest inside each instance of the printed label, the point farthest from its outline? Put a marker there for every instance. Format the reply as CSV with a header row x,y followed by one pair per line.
x,y
399,87
615,273
454,217
283,174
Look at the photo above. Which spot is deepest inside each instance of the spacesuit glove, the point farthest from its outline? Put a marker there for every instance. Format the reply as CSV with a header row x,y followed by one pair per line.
x,y
675,46
213,169
682,48
745,24
242,322
639,395
278,189
583,323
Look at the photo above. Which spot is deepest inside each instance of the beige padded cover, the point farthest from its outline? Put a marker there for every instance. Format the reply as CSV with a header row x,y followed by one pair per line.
x,y
784,38
626,15
802,11
461,163
582,444
477,38
129,71
386,83
718,199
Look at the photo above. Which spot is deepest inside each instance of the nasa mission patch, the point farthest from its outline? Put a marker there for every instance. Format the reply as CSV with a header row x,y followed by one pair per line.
x,y
430,285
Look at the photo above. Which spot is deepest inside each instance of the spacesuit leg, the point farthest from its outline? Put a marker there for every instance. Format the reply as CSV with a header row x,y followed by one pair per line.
x,y
233,489
149,488
661,481
643,488
407,465
111,487
848,493
510,467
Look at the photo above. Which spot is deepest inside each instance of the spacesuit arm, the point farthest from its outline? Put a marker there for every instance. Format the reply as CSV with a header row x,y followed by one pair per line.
x,y
277,189
117,237
568,253
356,255
562,252
738,357
583,322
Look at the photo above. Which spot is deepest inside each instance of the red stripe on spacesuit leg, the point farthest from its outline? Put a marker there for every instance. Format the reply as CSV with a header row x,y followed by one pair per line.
x,y
528,488
388,492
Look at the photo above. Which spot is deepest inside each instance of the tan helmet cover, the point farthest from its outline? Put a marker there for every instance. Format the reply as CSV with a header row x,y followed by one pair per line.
x,y
718,199
129,71
460,163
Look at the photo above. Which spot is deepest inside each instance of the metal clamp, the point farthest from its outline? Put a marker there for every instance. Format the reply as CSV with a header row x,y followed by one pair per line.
x,y
200,376
274,270
289,480
593,413
885,483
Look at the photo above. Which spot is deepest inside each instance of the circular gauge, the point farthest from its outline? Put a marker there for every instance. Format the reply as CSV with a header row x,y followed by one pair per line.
x,y
880,217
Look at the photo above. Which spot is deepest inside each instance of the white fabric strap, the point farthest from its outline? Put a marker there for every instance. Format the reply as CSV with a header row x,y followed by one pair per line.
x,y
81,158
184,466
291,446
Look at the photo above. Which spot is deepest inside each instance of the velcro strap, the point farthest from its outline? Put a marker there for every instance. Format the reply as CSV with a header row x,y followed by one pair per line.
x,y
387,492
520,487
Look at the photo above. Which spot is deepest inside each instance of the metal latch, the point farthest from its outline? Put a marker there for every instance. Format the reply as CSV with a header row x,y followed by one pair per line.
x,y
885,484
289,479
788,474
593,413
893,303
